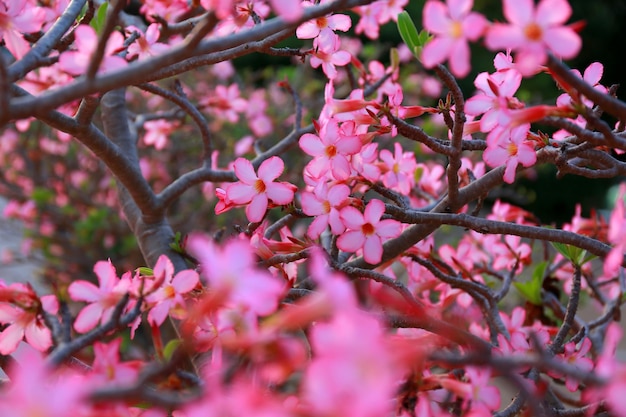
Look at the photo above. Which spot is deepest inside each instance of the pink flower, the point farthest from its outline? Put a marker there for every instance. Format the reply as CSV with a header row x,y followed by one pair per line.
x,y
102,299
324,204
168,298
400,167
146,45
232,269
86,41
367,231
513,149
226,103
453,25
481,398
107,368
157,133
258,190
287,9
330,150
535,31
329,24
21,310
328,55
18,17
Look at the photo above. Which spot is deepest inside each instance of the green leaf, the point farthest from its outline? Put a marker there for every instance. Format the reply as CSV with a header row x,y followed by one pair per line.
x,y
575,255
97,23
408,32
145,271
170,348
531,290
42,196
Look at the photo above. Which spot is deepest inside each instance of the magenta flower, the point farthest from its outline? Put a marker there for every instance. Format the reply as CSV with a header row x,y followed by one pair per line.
x,y
617,236
324,204
258,190
367,231
400,167
168,298
18,17
102,299
512,150
86,41
323,26
327,54
453,25
535,31
330,150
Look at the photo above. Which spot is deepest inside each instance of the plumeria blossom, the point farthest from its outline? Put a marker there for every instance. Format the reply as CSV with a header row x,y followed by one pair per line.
x,y
511,150
453,25
257,191
86,42
168,297
102,299
22,311
328,54
324,204
146,44
535,31
367,231
16,18
330,149
400,169
107,368
323,27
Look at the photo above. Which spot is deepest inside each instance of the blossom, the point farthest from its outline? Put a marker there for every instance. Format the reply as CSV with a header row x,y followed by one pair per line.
x,y
511,150
86,41
324,204
157,132
533,31
232,270
146,45
329,56
107,367
367,231
102,299
168,298
323,26
17,17
258,190
453,25
330,150
617,235
400,169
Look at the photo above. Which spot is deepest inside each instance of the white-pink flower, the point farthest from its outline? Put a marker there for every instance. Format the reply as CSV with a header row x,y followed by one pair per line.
x,y
257,191
535,31
168,297
367,231
453,24
86,42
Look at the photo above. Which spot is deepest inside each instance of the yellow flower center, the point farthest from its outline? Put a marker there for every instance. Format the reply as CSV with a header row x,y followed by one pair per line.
x,y
512,149
456,30
331,151
326,206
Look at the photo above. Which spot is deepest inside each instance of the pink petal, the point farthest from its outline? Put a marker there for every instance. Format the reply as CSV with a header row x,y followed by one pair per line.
x,y
287,9
389,228
553,12
474,25
373,250
436,51
158,313
308,30
340,168
311,206
9,313
245,171
460,58
38,336
510,170
312,144
280,193
459,8
593,75
352,218
495,156
10,338
84,291
257,208
500,36
374,210
240,193
88,318
106,274
338,194
317,226
339,22
341,58
185,281
563,41
519,12
436,18
271,169
351,241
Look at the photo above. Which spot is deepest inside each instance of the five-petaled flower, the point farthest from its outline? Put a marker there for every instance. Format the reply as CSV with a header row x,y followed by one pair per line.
x,y
367,231
257,191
